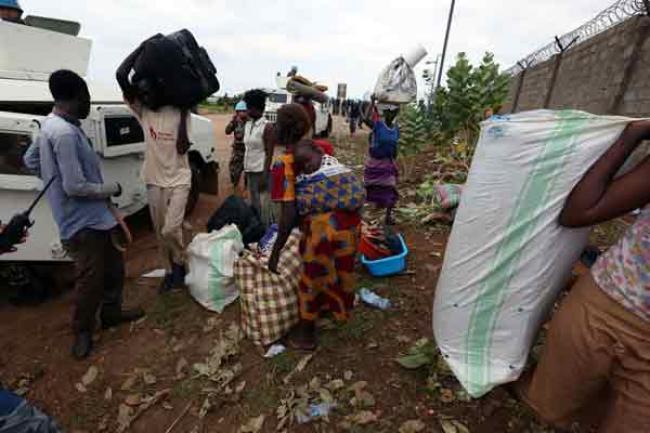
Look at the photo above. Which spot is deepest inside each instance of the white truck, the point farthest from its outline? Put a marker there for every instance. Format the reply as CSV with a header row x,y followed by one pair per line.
x,y
280,96
37,49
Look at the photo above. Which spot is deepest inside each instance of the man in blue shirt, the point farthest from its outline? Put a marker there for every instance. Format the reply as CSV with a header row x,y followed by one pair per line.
x,y
80,203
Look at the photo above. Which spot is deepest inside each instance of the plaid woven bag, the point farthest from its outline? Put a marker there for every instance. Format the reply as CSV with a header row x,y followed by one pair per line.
x,y
269,302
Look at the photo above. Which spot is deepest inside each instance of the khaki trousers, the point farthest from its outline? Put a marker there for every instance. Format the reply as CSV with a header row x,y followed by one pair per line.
x,y
595,365
167,208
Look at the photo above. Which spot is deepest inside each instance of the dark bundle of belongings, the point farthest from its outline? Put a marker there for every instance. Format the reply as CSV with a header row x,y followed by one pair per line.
x,y
236,211
379,242
173,70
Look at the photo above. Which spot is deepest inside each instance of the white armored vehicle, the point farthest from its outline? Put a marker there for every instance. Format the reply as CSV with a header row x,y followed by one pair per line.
x,y
280,96
35,50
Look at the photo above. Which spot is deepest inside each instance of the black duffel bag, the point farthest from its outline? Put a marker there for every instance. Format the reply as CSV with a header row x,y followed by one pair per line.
x,y
173,70
235,210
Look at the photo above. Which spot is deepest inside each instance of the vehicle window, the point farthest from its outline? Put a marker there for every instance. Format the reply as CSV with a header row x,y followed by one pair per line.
x,y
13,146
278,98
123,130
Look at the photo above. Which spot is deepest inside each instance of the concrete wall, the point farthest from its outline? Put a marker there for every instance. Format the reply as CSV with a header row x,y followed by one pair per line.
x,y
607,74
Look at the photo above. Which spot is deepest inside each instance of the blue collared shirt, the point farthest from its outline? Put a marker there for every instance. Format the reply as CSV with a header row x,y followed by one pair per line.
x,y
78,196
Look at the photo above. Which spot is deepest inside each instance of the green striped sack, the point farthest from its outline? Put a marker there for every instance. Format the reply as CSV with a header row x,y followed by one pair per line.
x,y
211,258
507,257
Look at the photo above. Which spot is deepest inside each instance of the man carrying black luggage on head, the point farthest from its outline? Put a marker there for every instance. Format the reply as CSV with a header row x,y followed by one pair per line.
x,y
166,172
80,204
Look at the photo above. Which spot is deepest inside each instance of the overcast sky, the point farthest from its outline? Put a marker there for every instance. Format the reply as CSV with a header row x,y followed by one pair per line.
x,y
330,41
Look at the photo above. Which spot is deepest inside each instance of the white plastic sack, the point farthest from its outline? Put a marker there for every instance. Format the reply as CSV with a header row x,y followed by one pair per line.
x,y
396,83
507,257
211,259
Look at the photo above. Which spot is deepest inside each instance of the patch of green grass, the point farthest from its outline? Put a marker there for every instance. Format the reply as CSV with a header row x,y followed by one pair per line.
x,y
359,325
283,363
261,399
356,329
365,280
392,292
362,429
167,308
78,420
207,108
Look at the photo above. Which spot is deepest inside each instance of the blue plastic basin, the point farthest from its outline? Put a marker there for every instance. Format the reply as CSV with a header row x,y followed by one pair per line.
x,y
389,265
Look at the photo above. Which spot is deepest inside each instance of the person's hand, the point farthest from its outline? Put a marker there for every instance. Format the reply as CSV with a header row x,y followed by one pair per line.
x,y
273,261
638,131
126,239
125,228
183,147
121,242
183,143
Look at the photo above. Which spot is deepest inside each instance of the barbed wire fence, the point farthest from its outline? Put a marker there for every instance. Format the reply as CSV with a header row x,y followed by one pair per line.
x,y
617,13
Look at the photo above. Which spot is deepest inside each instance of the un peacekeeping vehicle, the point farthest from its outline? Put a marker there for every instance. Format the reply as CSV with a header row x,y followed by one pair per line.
x,y
36,49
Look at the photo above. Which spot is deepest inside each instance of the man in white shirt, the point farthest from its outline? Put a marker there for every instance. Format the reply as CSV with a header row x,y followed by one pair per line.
x,y
166,172
258,142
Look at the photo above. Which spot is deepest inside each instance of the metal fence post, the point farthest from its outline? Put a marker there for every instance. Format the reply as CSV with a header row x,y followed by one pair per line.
x,y
556,68
631,65
520,85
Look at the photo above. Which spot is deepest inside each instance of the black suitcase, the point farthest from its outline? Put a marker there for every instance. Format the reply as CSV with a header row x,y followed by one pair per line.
x,y
199,62
174,70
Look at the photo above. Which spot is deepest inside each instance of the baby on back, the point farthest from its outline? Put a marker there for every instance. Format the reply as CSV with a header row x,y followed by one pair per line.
x,y
323,184
307,157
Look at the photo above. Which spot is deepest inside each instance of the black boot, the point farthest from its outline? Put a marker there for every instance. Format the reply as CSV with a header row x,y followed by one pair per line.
x,y
178,276
83,345
111,320
174,280
166,284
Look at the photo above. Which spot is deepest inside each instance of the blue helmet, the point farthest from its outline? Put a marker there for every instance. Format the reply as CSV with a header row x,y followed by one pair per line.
x,y
10,4
241,106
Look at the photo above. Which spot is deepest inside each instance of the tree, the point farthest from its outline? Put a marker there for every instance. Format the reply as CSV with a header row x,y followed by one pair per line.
x,y
461,96
490,84
458,108
413,136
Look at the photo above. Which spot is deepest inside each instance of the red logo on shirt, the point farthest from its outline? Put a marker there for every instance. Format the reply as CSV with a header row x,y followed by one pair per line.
x,y
153,134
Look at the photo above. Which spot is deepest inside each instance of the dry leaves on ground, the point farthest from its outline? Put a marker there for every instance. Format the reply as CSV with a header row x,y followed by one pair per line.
x,y
220,369
90,375
412,426
453,426
254,425
127,414
362,418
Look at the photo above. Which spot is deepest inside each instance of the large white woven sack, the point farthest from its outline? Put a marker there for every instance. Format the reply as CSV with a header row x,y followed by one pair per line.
x,y
211,258
396,83
507,256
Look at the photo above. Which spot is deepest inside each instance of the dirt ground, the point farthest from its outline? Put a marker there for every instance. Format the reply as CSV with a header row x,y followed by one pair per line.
x,y
151,354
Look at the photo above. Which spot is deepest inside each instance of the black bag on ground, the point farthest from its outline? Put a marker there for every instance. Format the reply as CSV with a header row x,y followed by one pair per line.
x,y
174,70
236,211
